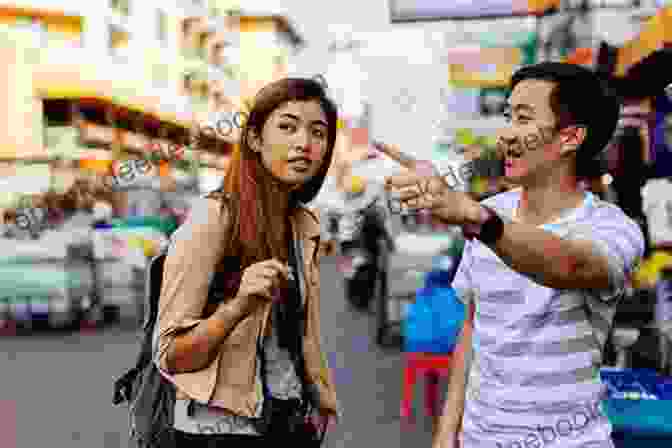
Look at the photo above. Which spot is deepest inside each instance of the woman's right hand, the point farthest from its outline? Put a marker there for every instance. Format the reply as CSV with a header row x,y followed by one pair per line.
x,y
261,279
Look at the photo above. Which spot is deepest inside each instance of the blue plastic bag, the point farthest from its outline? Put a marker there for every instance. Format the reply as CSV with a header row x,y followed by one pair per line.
x,y
435,319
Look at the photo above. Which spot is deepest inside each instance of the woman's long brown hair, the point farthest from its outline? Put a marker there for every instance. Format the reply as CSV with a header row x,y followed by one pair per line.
x,y
259,222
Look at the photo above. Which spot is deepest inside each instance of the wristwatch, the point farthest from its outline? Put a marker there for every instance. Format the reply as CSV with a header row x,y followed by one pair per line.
x,y
489,231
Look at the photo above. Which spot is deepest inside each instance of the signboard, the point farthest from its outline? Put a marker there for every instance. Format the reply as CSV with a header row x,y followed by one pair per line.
x,y
423,10
483,67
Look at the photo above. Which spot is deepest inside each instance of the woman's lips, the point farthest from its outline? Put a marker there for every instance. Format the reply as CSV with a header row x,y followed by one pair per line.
x,y
301,164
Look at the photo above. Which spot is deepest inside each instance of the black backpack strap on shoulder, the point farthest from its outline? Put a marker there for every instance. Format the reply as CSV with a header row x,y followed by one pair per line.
x,y
296,265
264,422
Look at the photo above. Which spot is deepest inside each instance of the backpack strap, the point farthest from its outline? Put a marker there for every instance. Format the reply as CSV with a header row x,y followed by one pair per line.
x,y
297,265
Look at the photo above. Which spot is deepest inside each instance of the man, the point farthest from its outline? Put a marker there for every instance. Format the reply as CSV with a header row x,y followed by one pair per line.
x,y
546,265
366,201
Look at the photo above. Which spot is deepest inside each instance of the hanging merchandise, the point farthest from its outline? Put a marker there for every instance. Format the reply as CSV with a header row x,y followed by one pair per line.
x,y
492,101
606,59
657,205
360,128
661,143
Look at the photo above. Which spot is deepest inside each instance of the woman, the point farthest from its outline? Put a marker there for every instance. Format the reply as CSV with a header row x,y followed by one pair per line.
x,y
217,359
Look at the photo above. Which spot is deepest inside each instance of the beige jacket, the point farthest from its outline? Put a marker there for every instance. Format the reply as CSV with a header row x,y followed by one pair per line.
x,y
229,381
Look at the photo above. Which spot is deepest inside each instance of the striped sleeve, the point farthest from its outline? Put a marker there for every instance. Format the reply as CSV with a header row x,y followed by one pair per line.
x,y
620,240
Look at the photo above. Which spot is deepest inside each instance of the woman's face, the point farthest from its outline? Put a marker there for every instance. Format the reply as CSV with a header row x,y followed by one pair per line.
x,y
293,143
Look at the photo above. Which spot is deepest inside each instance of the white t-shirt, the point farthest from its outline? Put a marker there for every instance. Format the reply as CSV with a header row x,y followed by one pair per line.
x,y
657,204
537,350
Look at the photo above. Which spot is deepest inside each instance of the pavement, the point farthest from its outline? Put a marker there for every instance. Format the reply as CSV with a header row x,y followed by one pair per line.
x,y
56,387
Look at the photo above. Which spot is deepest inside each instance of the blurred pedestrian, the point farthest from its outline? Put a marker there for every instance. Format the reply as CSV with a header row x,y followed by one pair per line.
x,y
546,265
257,358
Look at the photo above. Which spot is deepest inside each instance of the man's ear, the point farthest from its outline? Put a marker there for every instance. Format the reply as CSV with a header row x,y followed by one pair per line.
x,y
571,138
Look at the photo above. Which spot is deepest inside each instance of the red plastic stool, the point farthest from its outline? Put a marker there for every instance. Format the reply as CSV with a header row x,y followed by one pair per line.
x,y
431,366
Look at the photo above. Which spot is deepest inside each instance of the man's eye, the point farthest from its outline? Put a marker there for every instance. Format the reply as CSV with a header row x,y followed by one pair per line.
x,y
507,116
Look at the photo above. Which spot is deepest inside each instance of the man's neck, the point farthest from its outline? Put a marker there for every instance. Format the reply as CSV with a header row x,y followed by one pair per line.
x,y
541,203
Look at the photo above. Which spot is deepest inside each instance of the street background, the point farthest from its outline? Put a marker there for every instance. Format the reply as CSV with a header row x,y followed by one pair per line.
x,y
59,386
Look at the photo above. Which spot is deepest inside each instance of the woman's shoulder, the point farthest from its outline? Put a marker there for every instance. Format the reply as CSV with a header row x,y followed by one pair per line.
x,y
210,208
208,215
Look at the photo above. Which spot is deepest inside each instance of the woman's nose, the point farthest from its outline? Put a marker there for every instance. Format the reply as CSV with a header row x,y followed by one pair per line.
x,y
302,139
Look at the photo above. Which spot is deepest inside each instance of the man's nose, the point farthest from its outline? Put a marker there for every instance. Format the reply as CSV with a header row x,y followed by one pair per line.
x,y
504,141
507,137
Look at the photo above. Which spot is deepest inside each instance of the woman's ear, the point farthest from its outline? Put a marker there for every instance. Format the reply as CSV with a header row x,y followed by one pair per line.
x,y
254,140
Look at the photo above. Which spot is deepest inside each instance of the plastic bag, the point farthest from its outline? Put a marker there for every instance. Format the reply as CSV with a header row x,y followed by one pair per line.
x,y
434,320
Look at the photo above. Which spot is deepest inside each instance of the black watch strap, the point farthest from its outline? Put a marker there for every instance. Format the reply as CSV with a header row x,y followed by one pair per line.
x,y
492,229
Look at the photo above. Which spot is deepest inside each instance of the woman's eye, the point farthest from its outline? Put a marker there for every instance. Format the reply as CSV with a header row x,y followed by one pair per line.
x,y
508,117
319,134
287,126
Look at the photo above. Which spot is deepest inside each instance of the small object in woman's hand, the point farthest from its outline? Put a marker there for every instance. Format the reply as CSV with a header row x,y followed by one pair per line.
x,y
276,295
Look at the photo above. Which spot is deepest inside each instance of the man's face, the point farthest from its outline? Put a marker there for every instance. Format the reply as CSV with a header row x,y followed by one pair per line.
x,y
531,144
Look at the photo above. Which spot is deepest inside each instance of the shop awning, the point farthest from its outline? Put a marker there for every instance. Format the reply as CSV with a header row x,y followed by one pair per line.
x,y
62,74
117,95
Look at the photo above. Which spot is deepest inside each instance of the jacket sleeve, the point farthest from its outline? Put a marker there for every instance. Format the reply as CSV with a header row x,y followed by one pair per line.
x,y
189,267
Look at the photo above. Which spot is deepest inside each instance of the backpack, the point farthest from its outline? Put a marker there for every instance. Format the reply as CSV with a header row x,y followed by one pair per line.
x,y
151,397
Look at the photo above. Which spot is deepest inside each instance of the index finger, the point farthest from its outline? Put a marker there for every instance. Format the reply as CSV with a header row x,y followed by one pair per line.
x,y
395,154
